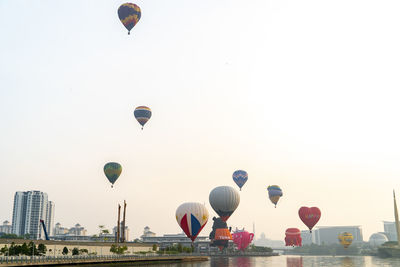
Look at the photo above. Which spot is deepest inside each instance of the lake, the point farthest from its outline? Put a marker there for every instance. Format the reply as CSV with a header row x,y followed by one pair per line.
x,y
291,261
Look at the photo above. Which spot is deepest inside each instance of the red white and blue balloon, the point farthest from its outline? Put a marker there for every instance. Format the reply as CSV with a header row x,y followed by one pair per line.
x,y
191,217
240,177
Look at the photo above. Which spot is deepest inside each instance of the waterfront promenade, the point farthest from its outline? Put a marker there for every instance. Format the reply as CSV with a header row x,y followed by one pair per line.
x,y
94,259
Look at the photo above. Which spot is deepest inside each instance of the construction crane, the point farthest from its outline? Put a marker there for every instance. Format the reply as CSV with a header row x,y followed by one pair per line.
x,y
44,229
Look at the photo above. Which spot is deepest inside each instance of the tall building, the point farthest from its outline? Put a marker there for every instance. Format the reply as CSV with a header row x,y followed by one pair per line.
x,y
389,229
307,237
329,234
29,208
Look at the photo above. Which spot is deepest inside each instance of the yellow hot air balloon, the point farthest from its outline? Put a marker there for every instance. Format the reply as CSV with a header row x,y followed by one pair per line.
x,y
345,239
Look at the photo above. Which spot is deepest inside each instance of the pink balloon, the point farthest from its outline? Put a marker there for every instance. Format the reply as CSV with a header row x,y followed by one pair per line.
x,y
242,239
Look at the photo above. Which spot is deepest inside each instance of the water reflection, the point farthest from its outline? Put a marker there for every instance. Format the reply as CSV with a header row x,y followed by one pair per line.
x,y
294,262
242,261
348,262
219,262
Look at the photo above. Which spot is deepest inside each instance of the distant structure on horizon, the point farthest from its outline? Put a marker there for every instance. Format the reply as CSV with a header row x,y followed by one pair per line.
x,y
265,242
377,239
29,208
5,228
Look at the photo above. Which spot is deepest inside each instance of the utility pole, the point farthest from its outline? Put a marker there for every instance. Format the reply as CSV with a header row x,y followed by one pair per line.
x,y
123,224
118,223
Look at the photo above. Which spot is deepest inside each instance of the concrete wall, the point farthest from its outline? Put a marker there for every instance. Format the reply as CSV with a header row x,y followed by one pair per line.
x,y
55,248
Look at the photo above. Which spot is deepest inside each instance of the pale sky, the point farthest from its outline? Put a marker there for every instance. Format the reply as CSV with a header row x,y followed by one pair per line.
x,y
302,94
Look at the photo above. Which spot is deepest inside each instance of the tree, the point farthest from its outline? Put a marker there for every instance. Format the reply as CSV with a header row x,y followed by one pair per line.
x,y
65,251
75,251
154,247
4,250
42,249
25,249
117,249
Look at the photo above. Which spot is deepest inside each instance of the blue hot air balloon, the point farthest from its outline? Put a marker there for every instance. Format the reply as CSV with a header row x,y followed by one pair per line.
x,y
240,177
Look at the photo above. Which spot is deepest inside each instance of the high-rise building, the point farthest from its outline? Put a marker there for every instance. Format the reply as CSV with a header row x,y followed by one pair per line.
x,y
307,237
29,208
329,234
389,229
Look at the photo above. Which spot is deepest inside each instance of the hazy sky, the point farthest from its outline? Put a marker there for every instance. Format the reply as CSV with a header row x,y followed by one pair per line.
x,y
303,94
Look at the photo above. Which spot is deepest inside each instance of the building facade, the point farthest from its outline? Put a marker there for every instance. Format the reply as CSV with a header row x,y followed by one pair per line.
x,y
389,229
329,234
29,208
6,228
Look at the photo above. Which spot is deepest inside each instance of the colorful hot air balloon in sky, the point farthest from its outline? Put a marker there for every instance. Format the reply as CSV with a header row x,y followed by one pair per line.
x,y
129,14
240,177
345,239
242,239
112,170
293,237
274,193
224,200
142,114
309,216
191,217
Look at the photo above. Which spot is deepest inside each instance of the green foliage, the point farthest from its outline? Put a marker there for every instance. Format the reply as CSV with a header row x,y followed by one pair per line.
x,y
11,236
118,249
154,247
83,251
41,249
24,249
254,248
75,251
65,251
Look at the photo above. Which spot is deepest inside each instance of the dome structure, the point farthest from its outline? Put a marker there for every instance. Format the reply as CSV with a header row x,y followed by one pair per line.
x,y
377,239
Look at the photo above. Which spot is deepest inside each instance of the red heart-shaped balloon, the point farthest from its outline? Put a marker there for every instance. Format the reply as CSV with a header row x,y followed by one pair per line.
x,y
309,216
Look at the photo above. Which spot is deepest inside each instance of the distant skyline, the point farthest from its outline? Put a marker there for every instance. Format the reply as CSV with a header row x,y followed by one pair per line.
x,y
302,94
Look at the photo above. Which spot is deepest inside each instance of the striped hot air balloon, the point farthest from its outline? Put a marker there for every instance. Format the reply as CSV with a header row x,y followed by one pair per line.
x,y
112,170
191,217
142,115
240,177
274,193
129,14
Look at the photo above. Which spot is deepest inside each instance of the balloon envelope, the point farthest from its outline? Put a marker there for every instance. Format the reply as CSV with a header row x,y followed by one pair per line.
x,y
242,239
142,114
309,216
240,177
112,170
129,14
274,193
293,237
224,200
191,217
345,239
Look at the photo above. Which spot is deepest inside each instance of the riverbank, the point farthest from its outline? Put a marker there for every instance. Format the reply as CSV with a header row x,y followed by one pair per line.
x,y
86,260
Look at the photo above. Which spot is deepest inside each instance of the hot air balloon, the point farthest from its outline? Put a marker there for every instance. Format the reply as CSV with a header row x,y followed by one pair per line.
x,y
345,239
242,239
191,217
112,170
309,216
129,14
274,193
240,177
224,200
293,237
220,234
142,115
